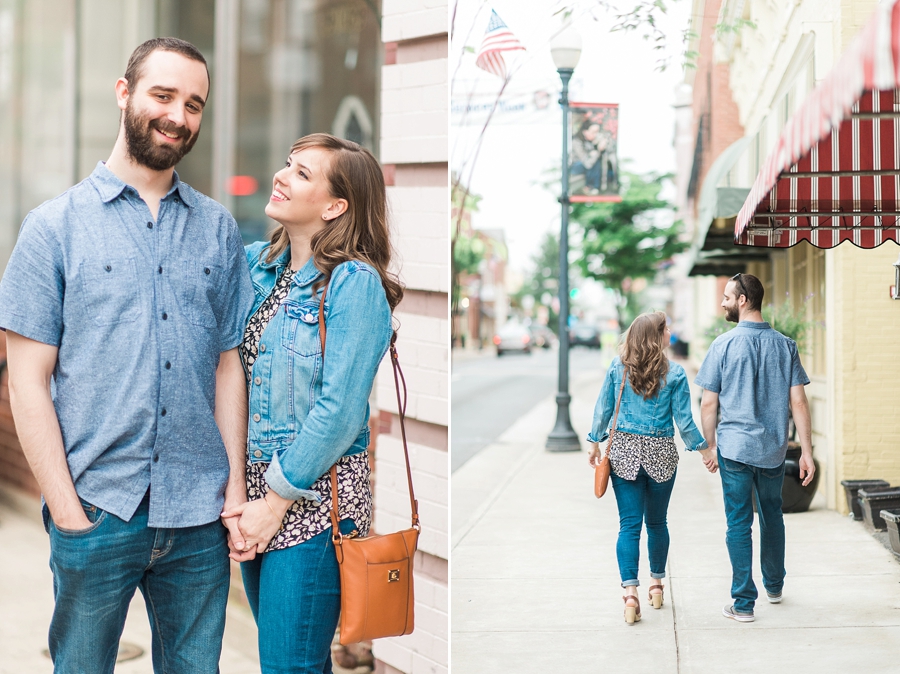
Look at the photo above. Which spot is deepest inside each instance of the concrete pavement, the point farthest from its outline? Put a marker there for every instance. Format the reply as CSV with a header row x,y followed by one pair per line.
x,y
535,585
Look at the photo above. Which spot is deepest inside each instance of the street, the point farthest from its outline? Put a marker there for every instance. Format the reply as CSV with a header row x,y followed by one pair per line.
x,y
490,393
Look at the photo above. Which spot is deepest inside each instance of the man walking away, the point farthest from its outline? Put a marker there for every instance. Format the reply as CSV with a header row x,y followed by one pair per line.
x,y
128,293
753,374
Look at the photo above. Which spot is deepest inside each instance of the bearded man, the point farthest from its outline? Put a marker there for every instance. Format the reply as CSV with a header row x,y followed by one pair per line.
x,y
128,293
753,374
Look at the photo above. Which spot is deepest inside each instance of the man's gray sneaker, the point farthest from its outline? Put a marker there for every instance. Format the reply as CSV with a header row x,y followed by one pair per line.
x,y
773,598
729,612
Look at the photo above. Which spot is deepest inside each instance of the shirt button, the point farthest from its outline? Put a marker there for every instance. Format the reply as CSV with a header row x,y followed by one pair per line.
x,y
262,348
165,316
206,270
164,411
256,417
257,381
149,225
257,453
108,268
156,459
159,270
168,365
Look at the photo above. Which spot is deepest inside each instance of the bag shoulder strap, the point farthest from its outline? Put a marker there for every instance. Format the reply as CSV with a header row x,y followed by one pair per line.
x,y
401,408
612,431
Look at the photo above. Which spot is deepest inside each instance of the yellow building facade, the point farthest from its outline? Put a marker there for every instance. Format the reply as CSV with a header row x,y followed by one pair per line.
x,y
776,54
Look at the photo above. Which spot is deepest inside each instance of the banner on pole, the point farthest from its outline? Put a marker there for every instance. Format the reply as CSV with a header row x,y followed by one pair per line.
x,y
593,160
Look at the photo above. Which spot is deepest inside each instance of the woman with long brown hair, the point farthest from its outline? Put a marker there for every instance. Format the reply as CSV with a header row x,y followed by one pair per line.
x,y
308,412
642,457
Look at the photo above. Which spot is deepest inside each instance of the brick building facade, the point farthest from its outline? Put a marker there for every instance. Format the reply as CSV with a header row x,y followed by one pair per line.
x,y
414,148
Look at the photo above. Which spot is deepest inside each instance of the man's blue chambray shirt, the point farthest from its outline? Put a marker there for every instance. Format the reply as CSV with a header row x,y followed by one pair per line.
x,y
752,368
140,309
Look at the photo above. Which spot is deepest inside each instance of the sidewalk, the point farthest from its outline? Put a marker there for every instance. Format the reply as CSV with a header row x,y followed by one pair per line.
x,y
535,585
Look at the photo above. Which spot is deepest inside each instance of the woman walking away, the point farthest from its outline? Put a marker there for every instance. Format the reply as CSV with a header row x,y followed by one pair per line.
x,y
308,410
642,456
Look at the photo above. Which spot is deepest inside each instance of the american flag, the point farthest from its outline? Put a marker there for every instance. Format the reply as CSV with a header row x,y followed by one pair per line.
x,y
497,39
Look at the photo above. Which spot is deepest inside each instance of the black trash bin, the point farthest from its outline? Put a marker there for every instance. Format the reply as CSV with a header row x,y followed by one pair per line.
x,y
873,502
891,518
851,490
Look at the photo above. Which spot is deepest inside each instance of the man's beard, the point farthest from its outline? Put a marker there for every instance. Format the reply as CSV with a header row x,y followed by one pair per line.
x,y
731,314
145,150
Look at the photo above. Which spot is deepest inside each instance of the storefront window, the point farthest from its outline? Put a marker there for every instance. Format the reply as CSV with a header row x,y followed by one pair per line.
x,y
304,67
192,20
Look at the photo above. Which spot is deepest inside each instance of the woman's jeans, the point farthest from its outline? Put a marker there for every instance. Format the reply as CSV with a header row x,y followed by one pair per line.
x,y
182,573
642,500
739,482
295,596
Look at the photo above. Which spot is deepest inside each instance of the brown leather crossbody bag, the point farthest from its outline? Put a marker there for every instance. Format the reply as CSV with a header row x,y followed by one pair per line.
x,y
376,571
601,470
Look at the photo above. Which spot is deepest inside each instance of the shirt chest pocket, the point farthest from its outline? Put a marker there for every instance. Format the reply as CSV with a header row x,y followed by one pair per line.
x,y
300,328
110,290
200,287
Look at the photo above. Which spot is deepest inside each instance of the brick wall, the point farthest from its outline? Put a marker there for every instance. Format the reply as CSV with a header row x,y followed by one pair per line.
x,y
712,96
414,150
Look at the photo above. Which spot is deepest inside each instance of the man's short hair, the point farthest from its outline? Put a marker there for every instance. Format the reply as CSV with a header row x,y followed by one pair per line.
x,y
135,67
750,287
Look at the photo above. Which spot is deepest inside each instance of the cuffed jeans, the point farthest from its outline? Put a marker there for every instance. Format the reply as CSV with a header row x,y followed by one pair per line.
x,y
642,500
295,596
182,573
739,481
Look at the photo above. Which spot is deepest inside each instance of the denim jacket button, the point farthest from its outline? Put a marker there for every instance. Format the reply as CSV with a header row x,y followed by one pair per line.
x,y
256,417
257,381
262,348
257,453
309,318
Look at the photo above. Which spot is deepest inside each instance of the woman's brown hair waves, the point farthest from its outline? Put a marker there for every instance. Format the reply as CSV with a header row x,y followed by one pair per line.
x,y
361,232
643,353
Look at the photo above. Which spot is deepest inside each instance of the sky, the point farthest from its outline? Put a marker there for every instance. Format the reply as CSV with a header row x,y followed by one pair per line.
x,y
522,144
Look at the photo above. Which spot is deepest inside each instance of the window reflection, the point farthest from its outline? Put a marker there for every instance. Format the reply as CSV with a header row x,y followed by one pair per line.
x,y
304,67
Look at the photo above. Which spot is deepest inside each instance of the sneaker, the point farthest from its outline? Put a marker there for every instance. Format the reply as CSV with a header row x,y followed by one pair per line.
x,y
729,612
773,598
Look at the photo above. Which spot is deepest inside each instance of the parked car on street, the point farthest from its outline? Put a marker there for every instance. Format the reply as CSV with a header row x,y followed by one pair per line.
x,y
513,337
584,335
542,336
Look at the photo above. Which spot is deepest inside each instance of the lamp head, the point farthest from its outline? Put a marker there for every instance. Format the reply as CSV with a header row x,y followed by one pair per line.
x,y
565,48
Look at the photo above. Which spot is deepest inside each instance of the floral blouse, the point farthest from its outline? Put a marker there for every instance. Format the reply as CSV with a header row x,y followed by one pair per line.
x,y
306,519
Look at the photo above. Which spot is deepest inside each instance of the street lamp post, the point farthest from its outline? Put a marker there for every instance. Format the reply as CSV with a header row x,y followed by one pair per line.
x,y
566,50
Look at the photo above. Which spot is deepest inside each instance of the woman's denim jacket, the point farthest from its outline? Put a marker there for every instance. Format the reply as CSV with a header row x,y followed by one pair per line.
x,y
305,415
651,417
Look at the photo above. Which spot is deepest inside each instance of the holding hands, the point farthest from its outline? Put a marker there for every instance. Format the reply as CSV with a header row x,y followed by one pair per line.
x,y
252,524
709,459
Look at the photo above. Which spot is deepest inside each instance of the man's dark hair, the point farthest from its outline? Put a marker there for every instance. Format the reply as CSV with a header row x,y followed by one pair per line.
x,y
134,70
750,287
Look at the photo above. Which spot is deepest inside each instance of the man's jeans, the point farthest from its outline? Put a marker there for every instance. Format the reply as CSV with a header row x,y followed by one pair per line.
x,y
295,596
182,573
642,500
739,481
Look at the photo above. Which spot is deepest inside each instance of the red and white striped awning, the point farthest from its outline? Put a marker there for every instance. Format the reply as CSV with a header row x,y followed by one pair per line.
x,y
834,175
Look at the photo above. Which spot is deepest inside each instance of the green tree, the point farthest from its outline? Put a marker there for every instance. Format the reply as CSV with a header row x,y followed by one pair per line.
x,y
466,250
628,240
542,282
